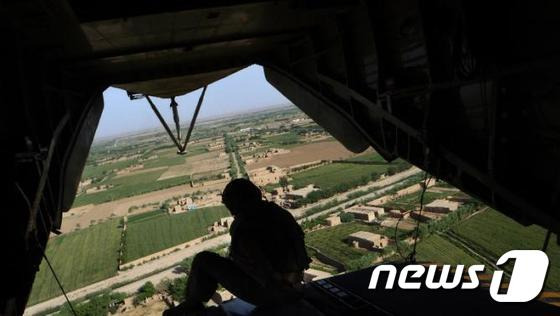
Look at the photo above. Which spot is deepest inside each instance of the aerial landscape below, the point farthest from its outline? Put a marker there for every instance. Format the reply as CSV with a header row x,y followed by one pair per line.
x,y
142,212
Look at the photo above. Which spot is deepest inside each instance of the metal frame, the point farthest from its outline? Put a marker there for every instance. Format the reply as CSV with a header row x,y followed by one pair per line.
x,y
181,149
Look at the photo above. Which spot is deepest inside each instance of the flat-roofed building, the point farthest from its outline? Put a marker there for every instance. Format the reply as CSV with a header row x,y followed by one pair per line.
x,y
399,214
379,211
460,198
368,240
442,206
363,212
333,220
300,193
426,216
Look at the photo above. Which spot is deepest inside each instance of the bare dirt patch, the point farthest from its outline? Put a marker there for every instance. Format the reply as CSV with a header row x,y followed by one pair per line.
x,y
203,163
84,215
331,150
133,173
154,307
405,224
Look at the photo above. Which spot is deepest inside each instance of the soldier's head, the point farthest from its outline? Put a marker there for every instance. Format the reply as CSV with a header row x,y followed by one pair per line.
x,y
241,195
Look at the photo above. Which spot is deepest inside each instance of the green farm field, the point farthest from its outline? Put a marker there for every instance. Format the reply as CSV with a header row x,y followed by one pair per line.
x,y
150,234
328,176
145,216
137,182
99,171
169,157
492,234
284,140
438,249
79,258
331,241
130,185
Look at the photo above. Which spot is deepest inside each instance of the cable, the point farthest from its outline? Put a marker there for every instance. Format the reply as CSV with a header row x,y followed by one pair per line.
x,y
26,199
412,256
43,251
427,179
59,284
397,240
23,195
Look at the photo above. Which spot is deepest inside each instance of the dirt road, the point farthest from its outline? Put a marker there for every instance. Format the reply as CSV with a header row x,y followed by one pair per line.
x,y
379,183
385,186
133,287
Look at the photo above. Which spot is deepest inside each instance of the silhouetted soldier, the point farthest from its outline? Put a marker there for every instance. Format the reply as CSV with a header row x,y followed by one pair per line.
x,y
267,254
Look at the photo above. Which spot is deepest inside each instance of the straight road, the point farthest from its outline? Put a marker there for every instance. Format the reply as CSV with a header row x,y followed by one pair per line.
x,y
387,181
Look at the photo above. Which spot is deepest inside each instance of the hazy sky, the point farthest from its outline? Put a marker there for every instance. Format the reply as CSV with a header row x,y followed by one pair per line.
x,y
244,90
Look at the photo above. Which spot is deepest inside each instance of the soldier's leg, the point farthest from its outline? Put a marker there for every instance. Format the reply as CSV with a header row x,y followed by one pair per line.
x,y
201,284
209,269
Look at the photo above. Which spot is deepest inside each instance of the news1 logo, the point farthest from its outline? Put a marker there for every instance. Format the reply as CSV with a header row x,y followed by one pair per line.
x,y
526,282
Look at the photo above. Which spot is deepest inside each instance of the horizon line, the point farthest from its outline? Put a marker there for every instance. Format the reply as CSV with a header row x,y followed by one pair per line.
x,y
200,120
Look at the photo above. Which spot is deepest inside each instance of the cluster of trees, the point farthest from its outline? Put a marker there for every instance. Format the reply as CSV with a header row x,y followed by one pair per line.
x,y
229,143
147,290
123,248
210,177
363,262
233,167
450,220
323,207
357,194
339,188
176,288
283,182
291,140
346,217
301,130
399,166
308,224
232,149
98,305
241,165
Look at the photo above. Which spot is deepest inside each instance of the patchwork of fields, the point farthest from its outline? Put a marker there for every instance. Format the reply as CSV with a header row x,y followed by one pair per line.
x,y
79,258
131,185
151,232
492,234
204,163
165,171
488,233
92,254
